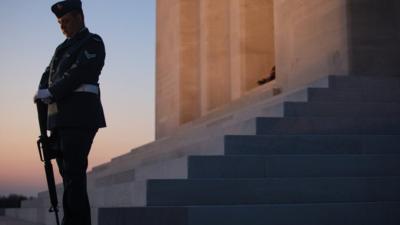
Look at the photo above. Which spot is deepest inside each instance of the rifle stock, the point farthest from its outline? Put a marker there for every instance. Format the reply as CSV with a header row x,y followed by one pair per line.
x,y
46,154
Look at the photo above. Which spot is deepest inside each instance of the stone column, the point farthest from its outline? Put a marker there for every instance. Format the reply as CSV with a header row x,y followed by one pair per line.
x,y
236,48
209,53
258,41
167,69
189,74
177,70
252,44
214,54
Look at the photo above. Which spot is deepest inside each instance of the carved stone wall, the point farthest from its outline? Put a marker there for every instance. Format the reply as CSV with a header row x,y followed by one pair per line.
x,y
210,53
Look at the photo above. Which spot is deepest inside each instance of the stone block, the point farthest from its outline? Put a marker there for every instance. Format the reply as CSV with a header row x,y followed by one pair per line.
x,y
259,166
353,95
366,82
373,213
311,144
272,191
341,109
328,125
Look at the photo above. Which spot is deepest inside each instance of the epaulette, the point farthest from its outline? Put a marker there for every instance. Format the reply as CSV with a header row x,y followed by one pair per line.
x,y
97,38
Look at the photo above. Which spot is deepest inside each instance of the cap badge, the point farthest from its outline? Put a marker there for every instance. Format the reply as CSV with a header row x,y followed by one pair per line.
x,y
60,7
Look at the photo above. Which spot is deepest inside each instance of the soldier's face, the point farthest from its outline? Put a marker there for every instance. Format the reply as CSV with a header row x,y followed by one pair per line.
x,y
70,24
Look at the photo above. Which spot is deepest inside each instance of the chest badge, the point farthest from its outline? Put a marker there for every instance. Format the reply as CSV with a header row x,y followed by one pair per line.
x,y
89,56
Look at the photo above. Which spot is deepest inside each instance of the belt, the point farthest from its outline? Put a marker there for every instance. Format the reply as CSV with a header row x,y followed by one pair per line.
x,y
90,88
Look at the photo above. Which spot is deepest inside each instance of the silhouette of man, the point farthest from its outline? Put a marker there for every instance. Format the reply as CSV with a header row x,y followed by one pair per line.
x,y
69,87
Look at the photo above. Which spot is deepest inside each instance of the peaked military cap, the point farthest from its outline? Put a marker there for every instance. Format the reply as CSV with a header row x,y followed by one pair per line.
x,y
63,7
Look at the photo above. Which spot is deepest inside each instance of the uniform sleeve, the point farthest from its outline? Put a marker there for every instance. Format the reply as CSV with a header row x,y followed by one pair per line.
x,y
88,63
45,79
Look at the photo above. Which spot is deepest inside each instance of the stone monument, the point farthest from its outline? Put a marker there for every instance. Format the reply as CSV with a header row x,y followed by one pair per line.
x,y
295,129
210,53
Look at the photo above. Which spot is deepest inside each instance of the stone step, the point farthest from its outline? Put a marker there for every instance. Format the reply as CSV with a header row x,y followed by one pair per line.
x,y
216,167
327,125
340,109
370,83
363,213
311,144
353,95
181,192
5,220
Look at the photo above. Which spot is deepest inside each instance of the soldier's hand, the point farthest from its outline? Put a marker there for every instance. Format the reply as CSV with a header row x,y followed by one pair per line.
x,y
44,95
46,100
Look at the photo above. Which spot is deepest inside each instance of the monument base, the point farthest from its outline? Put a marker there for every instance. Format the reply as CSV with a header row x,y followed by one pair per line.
x,y
122,182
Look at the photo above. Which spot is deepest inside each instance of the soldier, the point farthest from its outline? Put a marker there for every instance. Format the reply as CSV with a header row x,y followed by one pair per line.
x,y
69,87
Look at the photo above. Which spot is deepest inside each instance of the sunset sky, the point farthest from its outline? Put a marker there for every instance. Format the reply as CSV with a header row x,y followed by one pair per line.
x,y
29,35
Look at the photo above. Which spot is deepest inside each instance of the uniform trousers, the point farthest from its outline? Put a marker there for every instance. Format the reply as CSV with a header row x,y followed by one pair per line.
x,y
74,145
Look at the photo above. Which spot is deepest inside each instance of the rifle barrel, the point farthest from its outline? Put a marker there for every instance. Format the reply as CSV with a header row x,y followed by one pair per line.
x,y
43,146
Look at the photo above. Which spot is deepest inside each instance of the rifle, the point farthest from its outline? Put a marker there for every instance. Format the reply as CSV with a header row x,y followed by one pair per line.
x,y
47,153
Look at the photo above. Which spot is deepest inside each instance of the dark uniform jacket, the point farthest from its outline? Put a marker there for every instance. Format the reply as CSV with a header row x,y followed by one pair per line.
x,y
76,62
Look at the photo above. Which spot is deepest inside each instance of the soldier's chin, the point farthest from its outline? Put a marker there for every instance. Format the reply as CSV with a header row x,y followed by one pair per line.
x,y
67,34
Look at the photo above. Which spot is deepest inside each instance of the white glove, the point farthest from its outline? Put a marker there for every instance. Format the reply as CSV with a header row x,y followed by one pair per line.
x,y
44,95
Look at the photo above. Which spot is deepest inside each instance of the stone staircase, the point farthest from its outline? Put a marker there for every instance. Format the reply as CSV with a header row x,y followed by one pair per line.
x,y
334,160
